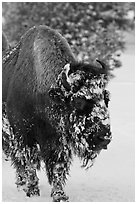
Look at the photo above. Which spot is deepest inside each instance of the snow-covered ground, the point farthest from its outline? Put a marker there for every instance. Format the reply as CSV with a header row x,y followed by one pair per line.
x,y
112,178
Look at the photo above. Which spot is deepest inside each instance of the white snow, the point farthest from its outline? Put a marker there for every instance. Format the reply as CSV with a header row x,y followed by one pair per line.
x,y
112,178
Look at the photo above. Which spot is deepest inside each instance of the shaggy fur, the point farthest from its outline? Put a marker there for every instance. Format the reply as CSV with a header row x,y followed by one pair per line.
x,y
55,107
5,44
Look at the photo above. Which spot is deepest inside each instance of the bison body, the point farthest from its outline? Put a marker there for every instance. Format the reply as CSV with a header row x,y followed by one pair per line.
x,y
48,98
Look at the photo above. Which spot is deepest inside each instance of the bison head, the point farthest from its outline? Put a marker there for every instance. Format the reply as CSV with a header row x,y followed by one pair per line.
x,y
81,89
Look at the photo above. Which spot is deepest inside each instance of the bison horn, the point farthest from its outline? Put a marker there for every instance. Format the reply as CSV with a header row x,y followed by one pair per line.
x,y
66,69
65,78
102,64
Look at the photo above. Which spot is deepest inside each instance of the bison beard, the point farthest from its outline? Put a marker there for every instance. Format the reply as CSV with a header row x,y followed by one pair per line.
x,y
66,114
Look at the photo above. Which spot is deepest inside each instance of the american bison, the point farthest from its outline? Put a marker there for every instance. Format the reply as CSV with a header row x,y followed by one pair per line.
x,y
55,106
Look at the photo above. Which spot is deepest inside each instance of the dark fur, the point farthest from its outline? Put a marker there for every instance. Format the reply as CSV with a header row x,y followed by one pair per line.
x,y
5,43
28,75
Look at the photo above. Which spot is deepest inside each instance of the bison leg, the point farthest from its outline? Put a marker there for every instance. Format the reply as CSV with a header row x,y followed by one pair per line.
x,y
23,161
32,181
20,178
26,172
27,179
59,175
57,166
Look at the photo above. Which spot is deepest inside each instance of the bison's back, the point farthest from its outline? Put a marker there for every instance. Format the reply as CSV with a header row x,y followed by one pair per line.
x,y
42,54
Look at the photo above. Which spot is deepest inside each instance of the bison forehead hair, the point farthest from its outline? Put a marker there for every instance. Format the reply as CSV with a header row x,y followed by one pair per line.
x,y
80,109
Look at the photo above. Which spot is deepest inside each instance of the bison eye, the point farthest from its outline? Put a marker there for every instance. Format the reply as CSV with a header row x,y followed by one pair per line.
x,y
83,106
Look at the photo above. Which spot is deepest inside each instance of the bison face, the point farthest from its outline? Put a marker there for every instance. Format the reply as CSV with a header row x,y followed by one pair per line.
x,y
82,89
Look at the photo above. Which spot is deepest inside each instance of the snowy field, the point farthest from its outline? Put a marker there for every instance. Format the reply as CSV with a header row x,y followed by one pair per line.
x,y
112,178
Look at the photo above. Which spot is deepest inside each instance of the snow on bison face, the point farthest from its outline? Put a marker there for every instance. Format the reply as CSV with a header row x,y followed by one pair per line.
x,y
82,89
